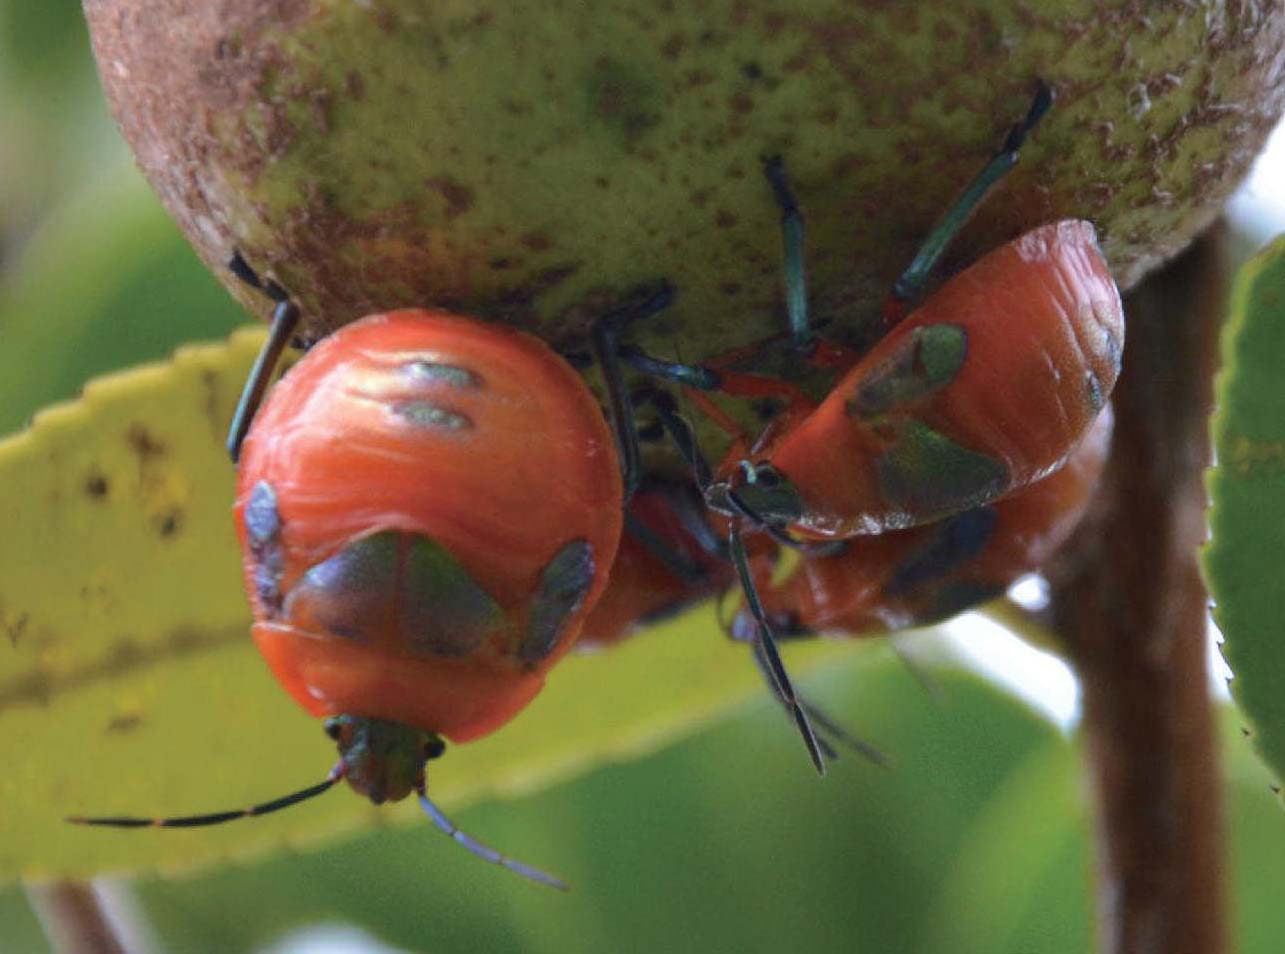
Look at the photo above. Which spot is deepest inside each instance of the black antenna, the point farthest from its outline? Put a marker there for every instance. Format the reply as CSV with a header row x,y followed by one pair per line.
x,y
217,818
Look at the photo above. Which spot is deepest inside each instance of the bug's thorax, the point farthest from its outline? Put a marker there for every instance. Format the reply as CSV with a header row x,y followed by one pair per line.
x,y
382,760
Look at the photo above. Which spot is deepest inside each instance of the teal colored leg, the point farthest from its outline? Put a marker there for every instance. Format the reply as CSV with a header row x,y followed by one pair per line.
x,y
910,286
604,337
796,282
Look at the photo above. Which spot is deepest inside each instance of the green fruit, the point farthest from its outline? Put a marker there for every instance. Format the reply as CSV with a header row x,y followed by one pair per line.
x,y
531,163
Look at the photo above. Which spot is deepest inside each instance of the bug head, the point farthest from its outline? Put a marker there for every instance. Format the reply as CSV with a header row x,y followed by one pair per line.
x,y
758,492
382,760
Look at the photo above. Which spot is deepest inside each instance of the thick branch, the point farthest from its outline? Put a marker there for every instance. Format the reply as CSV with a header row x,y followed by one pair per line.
x,y
1132,609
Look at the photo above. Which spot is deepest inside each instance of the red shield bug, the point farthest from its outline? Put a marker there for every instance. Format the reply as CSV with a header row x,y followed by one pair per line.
x,y
927,574
979,390
428,507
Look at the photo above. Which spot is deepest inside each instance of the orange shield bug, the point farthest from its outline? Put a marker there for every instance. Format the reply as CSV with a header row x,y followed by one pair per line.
x,y
930,573
428,507
979,390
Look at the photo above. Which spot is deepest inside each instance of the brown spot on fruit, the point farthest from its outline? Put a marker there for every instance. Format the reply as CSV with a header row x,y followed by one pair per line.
x,y
537,241
459,197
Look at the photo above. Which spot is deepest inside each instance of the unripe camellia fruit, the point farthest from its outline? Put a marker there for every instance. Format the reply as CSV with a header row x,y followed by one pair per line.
x,y
531,163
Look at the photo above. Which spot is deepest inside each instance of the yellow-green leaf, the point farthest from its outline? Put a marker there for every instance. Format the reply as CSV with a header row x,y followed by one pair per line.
x,y
1244,558
129,684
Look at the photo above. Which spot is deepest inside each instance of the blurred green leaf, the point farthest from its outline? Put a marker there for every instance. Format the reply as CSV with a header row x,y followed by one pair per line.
x,y
725,842
1019,881
43,43
1247,549
20,932
108,281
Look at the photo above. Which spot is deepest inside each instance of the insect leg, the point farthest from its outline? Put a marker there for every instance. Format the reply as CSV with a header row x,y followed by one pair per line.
x,y
604,337
680,432
696,376
765,643
285,318
674,561
915,278
796,284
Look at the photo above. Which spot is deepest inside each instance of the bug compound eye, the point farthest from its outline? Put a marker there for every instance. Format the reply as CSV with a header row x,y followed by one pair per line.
x,y
767,478
333,728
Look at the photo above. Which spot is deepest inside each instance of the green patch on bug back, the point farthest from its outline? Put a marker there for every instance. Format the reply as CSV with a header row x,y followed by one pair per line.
x,y
563,586
441,609
925,361
128,671
438,372
925,472
427,415
1242,562
397,584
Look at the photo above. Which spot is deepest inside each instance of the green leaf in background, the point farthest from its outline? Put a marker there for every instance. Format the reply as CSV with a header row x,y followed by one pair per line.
x,y
106,282
1245,560
726,842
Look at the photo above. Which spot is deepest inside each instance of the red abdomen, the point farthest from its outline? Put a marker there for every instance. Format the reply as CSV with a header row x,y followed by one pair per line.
x,y
985,388
926,574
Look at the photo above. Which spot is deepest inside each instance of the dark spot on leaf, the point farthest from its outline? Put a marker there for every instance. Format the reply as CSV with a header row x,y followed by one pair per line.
x,y
96,486
126,722
41,686
169,523
14,630
143,443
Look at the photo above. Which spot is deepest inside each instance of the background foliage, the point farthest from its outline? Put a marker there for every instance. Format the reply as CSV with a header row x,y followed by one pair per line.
x,y
974,840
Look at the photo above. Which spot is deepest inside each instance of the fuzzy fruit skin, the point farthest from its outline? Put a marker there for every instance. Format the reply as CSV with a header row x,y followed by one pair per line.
x,y
452,463
527,162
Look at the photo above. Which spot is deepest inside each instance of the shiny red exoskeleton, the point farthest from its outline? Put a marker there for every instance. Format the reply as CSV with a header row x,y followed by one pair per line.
x,y
428,507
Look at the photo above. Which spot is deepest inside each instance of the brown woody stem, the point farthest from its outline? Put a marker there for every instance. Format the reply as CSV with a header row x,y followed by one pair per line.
x,y
73,918
1131,606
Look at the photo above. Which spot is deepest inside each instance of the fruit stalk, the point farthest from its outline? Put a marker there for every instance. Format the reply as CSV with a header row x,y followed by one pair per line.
x,y
1131,606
